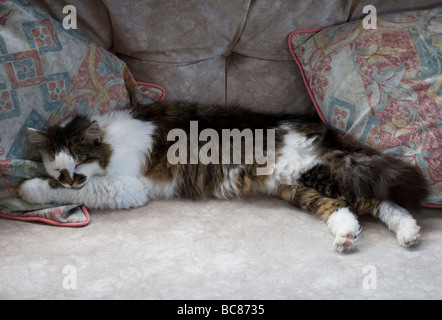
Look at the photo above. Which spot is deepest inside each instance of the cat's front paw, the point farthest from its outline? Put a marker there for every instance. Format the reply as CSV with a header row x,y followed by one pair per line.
x,y
35,190
408,233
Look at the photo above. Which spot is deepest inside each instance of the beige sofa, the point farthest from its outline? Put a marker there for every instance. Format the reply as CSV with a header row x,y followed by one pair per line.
x,y
223,52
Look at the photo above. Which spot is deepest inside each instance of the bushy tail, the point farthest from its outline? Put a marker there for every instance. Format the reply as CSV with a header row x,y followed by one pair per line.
x,y
368,174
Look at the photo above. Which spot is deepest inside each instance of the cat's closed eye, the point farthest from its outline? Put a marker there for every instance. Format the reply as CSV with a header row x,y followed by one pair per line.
x,y
82,160
80,163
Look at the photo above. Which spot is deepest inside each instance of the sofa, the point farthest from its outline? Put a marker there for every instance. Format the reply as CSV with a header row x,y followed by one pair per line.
x,y
223,53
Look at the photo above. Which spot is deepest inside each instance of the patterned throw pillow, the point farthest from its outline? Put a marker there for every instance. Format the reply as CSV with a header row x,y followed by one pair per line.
x,y
47,74
382,86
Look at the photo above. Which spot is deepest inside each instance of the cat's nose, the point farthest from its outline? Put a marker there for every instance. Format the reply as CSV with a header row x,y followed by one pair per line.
x,y
65,177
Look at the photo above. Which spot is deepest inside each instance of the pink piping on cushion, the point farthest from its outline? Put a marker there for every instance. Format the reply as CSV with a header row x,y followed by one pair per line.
x,y
318,110
304,78
432,205
52,222
146,84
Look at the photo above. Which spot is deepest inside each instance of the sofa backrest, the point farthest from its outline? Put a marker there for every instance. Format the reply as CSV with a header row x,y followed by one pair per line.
x,y
216,52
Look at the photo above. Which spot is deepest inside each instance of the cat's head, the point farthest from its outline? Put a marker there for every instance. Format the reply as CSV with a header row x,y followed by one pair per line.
x,y
72,153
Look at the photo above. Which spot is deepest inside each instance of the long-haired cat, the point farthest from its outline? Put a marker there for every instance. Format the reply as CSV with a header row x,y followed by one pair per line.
x,y
123,159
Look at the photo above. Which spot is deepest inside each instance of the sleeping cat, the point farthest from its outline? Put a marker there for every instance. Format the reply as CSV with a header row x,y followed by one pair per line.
x,y
125,158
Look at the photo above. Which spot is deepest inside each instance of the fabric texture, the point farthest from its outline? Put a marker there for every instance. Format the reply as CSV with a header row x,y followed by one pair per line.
x,y
48,74
216,52
382,86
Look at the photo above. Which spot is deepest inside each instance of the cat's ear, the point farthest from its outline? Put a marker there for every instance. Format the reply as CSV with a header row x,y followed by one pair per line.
x,y
37,138
92,132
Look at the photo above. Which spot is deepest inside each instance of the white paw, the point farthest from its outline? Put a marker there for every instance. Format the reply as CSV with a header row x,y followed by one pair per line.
x,y
408,233
35,191
344,225
400,221
345,241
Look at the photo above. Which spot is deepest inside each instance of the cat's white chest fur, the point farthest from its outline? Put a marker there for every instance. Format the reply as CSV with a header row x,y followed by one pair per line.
x,y
131,142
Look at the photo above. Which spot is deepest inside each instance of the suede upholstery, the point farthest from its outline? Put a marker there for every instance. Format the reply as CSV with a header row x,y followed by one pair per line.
x,y
216,52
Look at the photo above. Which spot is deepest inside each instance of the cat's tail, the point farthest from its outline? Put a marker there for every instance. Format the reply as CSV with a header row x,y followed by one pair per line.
x,y
368,174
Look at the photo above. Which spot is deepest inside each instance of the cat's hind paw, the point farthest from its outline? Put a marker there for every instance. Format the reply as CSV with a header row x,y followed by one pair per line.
x,y
34,191
408,233
344,225
400,221
345,242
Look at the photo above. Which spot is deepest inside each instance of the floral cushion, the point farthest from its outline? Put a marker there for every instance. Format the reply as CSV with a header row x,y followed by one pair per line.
x,y
382,86
47,74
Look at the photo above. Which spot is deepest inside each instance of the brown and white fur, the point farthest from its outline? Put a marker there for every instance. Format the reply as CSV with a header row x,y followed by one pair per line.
x,y
119,160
